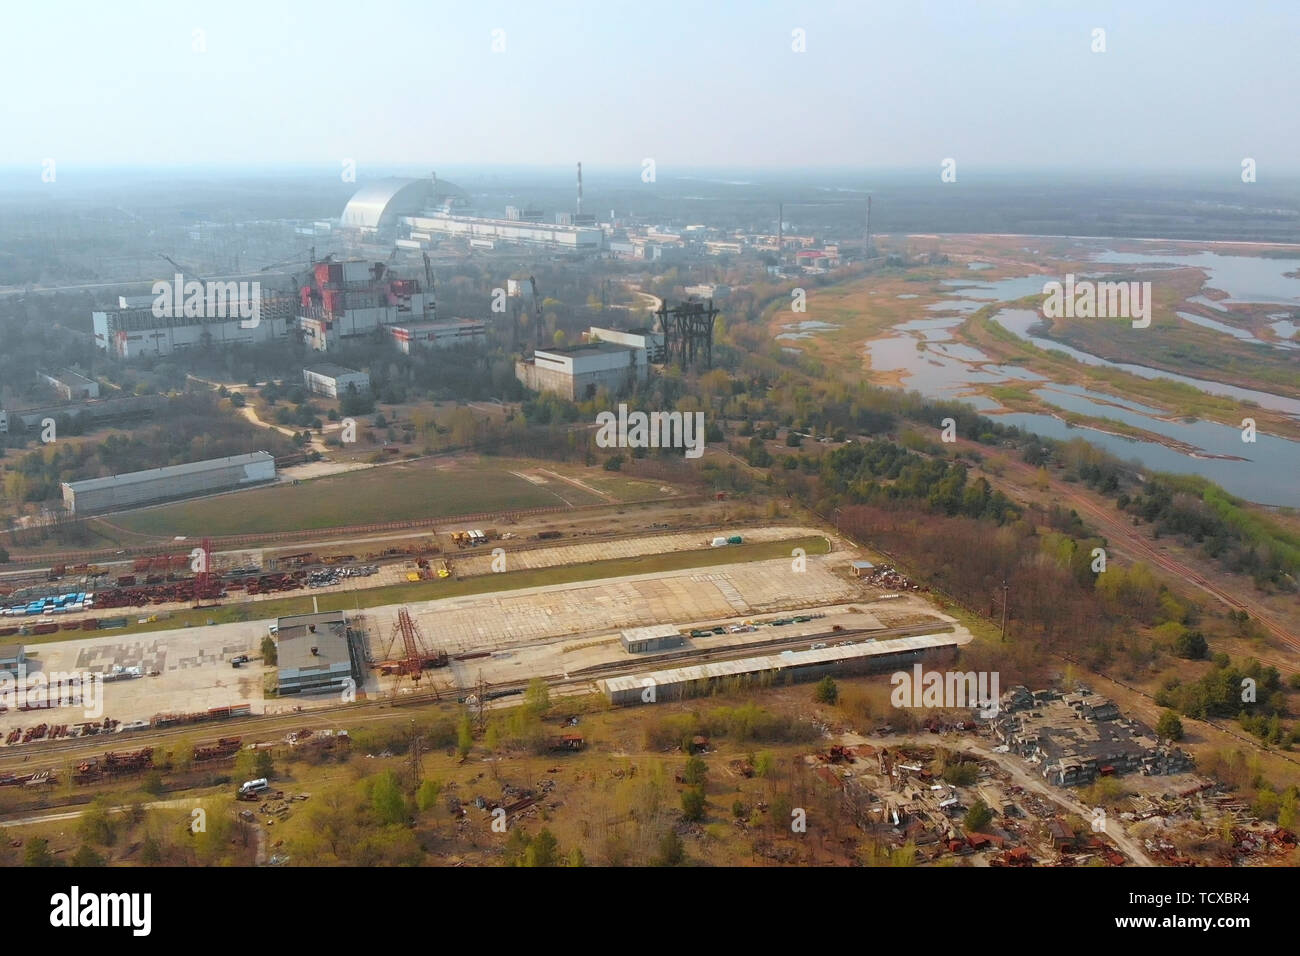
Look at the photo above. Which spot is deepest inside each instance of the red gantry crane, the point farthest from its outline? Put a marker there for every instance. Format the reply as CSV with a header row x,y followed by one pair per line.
x,y
415,655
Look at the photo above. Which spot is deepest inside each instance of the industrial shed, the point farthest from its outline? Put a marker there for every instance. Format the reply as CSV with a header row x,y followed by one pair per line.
x,y
679,682
166,484
332,381
656,637
315,653
12,659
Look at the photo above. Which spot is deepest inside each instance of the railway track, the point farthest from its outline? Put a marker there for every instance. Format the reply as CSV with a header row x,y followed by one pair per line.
x,y
1133,542
54,755
234,542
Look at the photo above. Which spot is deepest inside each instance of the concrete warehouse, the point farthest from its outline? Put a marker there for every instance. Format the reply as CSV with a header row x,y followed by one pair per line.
x,y
656,637
572,238
93,412
12,658
333,380
437,335
166,484
126,332
578,372
680,682
70,385
315,654
646,339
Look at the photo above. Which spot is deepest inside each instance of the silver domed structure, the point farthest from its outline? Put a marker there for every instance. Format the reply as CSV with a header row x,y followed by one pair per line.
x,y
377,206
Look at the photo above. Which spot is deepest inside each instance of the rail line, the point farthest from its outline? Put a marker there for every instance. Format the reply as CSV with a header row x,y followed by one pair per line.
x,y
62,751
158,544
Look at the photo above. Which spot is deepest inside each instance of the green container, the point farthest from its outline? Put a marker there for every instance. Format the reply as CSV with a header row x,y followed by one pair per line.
x,y
735,539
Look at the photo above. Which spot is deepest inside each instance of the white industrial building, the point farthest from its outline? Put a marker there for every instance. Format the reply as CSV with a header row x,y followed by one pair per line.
x,y
129,330
437,335
707,290
333,380
578,372
648,340
166,484
871,656
571,238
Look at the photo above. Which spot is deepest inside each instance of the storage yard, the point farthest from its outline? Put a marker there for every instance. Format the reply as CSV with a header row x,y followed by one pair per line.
x,y
559,632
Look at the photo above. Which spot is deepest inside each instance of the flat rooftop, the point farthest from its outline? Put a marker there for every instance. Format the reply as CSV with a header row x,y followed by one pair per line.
x,y
749,665
295,640
651,632
586,348
440,324
170,471
68,377
329,370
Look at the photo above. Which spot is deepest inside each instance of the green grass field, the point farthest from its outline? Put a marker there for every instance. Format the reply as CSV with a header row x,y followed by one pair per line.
x,y
395,492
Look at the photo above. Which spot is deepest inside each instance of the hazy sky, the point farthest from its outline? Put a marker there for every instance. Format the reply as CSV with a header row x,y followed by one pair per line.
x,y
1181,85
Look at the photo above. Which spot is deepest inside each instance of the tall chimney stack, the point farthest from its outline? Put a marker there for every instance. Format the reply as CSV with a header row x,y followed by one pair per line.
x,y
866,242
580,189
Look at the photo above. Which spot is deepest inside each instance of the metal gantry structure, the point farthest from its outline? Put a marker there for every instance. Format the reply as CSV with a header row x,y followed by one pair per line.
x,y
415,655
688,332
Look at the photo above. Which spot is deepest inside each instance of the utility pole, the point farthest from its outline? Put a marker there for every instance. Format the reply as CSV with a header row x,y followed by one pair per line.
x,y
415,758
482,692
1005,591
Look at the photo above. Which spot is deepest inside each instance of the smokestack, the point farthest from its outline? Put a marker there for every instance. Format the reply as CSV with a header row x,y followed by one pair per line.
x,y
866,243
580,189
780,234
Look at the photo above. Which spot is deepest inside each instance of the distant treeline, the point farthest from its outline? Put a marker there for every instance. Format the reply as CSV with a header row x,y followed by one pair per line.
x,y
191,428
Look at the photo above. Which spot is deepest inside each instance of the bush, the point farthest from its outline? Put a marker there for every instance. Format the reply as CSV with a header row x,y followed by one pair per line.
x,y
37,852
696,772
1191,645
826,692
978,816
671,852
85,856
693,803
1169,726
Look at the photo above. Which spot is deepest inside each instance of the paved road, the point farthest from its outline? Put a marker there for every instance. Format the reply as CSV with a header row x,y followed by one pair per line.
x,y
74,814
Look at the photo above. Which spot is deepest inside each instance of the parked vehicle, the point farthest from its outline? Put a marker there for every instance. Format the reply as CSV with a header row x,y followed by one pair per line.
x,y
254,787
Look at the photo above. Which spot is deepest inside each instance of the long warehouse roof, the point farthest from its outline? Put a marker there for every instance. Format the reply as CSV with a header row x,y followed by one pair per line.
x,y
750,665
170,471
